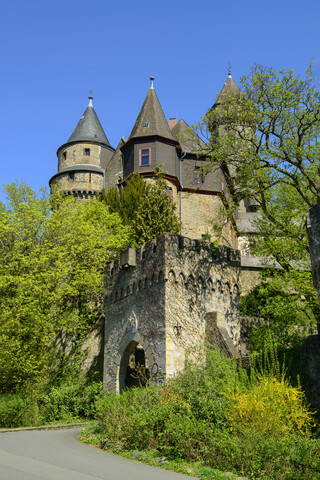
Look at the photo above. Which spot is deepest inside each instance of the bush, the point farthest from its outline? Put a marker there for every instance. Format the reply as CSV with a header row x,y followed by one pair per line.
x,y
66,403
149,418
272,407
207,387
262,457
69,402
12,410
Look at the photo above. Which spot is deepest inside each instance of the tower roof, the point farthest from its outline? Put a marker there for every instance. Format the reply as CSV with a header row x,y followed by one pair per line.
x,y
230,90
188,139
151,120
89,128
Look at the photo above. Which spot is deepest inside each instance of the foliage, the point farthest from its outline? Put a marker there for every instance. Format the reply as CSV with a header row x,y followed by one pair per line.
x,y
174,420
147,418
267,140
68,402
12,410
145,207
270,133
51,281
272,407
264,457
206,387
288,313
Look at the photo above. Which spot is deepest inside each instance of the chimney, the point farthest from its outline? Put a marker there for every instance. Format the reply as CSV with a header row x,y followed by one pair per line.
x,y
172,123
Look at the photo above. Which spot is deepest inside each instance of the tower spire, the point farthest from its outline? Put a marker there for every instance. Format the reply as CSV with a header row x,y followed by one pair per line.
x,y
90,98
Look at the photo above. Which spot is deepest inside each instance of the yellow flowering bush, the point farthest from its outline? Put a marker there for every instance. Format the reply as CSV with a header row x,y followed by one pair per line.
x,y
270,406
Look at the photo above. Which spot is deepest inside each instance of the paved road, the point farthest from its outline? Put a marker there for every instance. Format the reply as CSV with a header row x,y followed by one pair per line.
x,y
59,455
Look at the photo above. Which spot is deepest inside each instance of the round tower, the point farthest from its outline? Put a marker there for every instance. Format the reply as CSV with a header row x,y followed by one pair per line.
x,y
83,159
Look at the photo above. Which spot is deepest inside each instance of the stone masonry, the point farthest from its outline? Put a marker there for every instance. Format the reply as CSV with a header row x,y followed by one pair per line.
x,y
166,297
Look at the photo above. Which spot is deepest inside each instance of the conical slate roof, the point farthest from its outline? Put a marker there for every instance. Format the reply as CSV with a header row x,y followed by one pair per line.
x,y
151,120
89,128
188,139
229,90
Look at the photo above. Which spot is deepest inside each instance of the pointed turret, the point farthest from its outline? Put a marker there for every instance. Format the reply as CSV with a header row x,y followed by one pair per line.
x,y
82,160
151,142
151,120
89,127
230,90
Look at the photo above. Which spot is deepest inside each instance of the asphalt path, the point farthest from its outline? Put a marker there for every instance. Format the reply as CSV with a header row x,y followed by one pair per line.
x,y
59,455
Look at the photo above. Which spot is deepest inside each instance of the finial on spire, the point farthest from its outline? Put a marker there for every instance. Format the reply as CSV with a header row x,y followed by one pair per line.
x,y
151,86
229,68
90,98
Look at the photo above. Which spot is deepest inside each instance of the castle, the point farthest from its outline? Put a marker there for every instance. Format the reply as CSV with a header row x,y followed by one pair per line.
x,y
176,291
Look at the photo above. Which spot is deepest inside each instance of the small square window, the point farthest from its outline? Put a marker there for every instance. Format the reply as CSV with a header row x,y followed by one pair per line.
x,y
71,176
145,157
87,152
146,124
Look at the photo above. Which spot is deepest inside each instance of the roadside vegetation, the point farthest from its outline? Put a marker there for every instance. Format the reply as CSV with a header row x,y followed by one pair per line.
x,y
218,417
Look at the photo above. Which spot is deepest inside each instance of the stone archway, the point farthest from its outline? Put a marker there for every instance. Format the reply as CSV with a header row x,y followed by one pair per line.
x,y
133,371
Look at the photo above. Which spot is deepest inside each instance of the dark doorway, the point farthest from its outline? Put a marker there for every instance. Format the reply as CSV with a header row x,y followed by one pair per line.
x,y
133,371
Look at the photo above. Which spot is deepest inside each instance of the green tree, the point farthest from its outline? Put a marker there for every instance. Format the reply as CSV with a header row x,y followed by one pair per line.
x,y
145,207
51,281
267,140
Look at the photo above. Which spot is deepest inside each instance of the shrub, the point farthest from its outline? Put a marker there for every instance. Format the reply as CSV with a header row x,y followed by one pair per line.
x,y
150,418
207,387
262,457
69,402
270,406
12,410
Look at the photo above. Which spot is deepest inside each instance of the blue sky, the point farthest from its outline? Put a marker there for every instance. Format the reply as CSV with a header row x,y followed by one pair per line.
x,y
53,53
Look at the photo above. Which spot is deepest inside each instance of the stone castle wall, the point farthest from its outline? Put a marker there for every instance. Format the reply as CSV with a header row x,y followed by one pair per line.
x,y
75,154
198,212
90,182
172,294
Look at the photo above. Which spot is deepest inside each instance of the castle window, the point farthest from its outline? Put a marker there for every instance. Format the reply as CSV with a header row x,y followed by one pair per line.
x,y
87,152
198,175
146,124
64,155
71,176
89,177
144,157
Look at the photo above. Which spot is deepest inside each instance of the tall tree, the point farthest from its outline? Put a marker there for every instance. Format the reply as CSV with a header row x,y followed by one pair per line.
x,y
267,140
51,277
145,207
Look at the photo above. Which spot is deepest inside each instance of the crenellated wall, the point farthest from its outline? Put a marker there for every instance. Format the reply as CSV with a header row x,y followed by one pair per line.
x,y
166,297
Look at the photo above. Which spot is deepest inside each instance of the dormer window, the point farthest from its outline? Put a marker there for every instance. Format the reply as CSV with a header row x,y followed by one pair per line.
x,y
87,152
144,157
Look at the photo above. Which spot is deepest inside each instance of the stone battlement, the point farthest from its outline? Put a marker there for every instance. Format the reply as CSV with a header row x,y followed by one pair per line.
x,y
170,295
